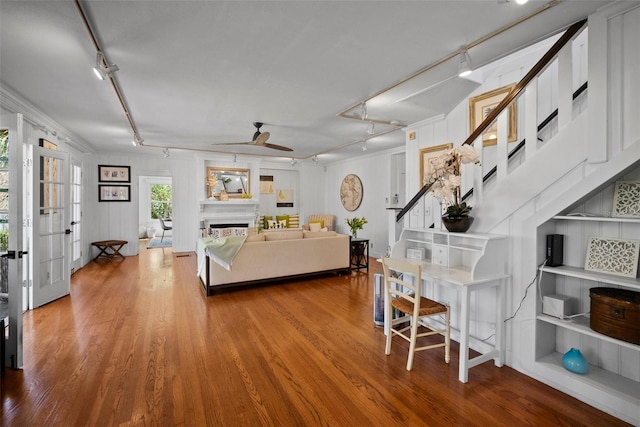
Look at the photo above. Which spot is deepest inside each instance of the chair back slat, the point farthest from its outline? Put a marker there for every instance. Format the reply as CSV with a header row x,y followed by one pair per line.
x,y
407,268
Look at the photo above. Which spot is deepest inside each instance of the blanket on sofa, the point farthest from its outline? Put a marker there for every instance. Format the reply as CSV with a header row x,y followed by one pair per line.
x,y
224,249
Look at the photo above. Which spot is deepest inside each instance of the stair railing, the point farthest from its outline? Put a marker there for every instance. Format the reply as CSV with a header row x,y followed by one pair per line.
x,y
535,71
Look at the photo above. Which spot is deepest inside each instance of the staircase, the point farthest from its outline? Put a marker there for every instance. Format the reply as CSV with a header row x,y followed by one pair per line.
x,y
592,142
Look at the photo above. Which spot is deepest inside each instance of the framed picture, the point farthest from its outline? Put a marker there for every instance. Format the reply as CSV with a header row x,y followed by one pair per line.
x,y
429,153
114,193
108,173
351,192
482,105
613,256
266,184
626,199
285,199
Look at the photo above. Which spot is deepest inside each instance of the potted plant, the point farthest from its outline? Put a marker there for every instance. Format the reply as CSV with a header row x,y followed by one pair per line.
x,y
356,224
444,173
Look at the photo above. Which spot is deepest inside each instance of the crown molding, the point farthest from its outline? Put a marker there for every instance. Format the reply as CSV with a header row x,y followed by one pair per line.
x,y
15,104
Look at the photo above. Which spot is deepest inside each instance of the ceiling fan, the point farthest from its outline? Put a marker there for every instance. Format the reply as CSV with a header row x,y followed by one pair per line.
x,y
259,140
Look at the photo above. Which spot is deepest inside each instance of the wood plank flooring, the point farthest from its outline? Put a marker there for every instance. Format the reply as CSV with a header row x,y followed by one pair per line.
x,y
138,343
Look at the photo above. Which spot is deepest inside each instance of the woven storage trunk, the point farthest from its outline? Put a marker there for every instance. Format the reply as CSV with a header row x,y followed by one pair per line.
x,y
616,313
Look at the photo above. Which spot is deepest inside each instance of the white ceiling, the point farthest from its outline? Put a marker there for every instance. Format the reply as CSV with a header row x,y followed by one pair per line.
x,y
195,73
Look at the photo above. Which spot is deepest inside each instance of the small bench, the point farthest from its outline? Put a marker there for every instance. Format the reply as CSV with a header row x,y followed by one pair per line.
x,y
109,248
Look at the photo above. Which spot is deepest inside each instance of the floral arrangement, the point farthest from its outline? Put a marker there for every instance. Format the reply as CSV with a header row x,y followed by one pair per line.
x,y
443,172
356,224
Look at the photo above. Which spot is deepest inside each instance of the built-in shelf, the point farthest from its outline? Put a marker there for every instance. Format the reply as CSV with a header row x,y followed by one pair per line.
x,y
581,324
597,218
613,385
581,273
608,382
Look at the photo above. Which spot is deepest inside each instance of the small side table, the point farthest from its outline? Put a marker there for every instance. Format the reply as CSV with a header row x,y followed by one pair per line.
x,y
109,248
359,254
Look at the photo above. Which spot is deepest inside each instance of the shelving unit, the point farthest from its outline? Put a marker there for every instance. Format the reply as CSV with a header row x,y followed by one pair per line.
x,y
613,380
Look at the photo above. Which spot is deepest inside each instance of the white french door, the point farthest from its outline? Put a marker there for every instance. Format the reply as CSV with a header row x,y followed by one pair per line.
x,y
50,231
76,215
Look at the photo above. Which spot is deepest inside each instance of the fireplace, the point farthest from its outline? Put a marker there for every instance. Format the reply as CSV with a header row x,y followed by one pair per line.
x,y
228,214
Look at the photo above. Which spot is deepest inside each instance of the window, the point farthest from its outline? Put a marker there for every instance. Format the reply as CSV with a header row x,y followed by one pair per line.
x,y
160,201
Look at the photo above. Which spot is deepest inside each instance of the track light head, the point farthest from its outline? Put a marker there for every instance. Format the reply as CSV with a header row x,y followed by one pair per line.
x,y
363,144
363,111
371,129
166,152
103,68
464,68
314,159
293,161
235,158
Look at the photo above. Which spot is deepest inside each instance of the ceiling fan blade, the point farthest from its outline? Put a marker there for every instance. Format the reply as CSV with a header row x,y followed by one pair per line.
x,y
262,138
235,143
278,147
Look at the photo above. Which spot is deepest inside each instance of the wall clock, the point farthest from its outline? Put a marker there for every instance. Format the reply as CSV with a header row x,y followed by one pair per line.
x,y
351,192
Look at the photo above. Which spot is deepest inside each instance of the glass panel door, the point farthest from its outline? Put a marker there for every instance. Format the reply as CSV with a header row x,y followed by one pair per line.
x,y
51,255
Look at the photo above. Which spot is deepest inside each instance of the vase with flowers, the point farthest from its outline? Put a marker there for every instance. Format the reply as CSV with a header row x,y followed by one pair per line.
x,y
443,172
356,224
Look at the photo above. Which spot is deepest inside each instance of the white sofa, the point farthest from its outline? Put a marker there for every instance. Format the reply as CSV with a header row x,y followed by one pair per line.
x,y
276,254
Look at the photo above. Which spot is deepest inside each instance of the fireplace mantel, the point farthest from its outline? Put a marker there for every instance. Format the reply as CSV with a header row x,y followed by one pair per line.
x,y
228,211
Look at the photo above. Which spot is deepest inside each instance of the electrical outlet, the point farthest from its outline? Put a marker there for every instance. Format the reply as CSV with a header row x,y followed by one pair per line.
x,y
427,211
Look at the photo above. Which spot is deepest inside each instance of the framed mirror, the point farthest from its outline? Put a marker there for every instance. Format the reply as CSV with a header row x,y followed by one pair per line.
x,y
234,181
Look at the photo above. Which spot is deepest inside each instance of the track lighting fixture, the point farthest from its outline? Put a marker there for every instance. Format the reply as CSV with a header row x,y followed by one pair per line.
x,y
314,159
165,152
464,68
371,129
293,161
235,158
103,68
363,111
363,144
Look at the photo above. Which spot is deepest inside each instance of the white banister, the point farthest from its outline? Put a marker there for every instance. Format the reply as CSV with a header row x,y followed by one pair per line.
x,y
565,86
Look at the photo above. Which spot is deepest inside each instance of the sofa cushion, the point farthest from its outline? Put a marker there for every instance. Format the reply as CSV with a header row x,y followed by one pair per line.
x,y
294,221
315,226
319,222
255,238
312,234
283,235
281,218
266,218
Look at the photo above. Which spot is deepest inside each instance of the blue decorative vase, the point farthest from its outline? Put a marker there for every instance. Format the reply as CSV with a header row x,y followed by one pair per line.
x,y
575,362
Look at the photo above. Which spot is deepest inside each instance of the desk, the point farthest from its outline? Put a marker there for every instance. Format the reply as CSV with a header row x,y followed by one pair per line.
x,y
109,248
466,262
359,253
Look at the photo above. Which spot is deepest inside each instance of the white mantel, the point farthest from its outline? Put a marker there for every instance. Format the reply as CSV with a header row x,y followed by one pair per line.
x,y
228,211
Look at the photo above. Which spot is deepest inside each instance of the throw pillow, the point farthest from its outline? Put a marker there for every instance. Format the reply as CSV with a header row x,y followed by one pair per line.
x,y
267,218
294,221
321,222
271,224
283,217
282,223
314,226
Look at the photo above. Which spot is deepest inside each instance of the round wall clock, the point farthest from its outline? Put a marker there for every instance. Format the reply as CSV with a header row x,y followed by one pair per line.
x,y
351,192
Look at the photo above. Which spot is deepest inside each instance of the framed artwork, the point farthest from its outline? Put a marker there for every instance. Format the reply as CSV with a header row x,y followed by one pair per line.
x,y
351,192
108,173
285,199
613,256
482,105
626,199
114,193
47,144
266,184
429,153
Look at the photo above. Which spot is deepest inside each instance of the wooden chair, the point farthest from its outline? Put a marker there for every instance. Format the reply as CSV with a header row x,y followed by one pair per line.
x,y
164,226
396,296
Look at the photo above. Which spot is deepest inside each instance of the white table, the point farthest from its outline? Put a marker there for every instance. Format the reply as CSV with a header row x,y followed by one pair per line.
x,y
459,278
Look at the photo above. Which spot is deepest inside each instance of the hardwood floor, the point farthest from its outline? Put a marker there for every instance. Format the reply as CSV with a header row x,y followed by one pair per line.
x,y
138,343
